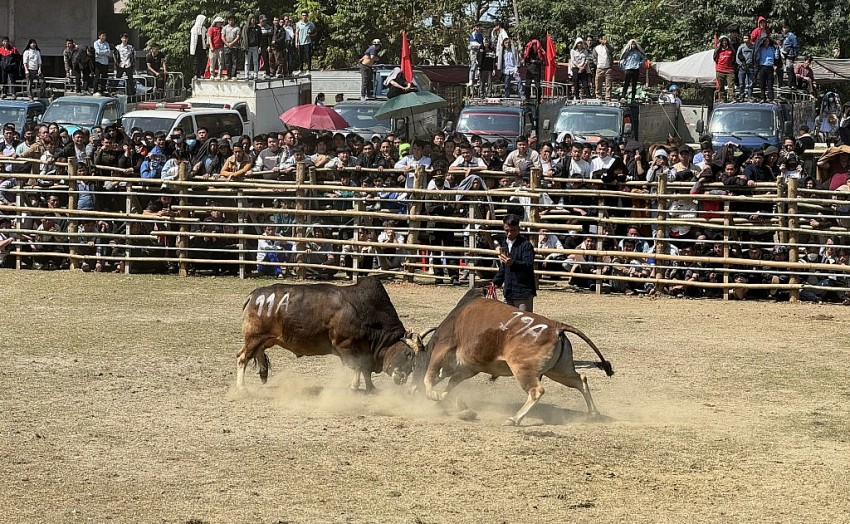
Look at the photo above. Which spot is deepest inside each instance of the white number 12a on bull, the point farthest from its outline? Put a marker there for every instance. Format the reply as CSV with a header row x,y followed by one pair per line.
x,y
525,328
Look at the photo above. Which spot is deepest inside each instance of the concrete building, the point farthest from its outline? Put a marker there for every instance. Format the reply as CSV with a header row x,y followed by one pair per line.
x,y
50,22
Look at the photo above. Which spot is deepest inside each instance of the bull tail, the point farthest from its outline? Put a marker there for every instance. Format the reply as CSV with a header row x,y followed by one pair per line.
x,y
604,365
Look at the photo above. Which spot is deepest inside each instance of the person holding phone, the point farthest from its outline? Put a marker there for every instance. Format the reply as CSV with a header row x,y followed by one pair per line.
x,y
516,267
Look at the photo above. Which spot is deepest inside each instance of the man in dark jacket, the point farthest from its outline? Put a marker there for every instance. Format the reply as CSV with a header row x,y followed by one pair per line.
x,y
516,267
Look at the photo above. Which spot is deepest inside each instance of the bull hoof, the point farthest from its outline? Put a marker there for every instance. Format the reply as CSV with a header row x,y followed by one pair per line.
x,y
433,395
513,421
467,415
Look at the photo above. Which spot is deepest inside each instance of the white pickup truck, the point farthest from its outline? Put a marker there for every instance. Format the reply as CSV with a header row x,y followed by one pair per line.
x,y
260,102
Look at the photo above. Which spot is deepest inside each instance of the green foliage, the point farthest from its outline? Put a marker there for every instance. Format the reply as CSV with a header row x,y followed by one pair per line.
x,y
666,29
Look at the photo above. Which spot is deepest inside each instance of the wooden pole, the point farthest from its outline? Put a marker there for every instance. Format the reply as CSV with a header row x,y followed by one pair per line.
x,y
470,263
360,207
128,207
311,174
599,232
793,224
72,205
534,215
240,219
727,219
183,240
661,232
415,209
300,259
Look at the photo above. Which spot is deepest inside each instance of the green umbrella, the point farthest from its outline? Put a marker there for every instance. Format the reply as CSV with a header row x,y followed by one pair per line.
x,y
410,104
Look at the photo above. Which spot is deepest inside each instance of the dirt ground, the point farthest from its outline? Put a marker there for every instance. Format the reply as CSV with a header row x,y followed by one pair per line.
x,y
118,405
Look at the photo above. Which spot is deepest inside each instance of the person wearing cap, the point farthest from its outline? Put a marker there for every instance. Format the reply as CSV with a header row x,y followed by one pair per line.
x,y
660,167
671,96
367,73
216,43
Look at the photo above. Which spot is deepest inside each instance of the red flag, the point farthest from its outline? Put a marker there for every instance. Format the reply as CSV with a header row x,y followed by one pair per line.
x,y
406,65
551,64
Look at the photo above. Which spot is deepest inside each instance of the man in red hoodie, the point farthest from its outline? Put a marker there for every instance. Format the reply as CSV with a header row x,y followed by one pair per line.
x,y
762,29
724,65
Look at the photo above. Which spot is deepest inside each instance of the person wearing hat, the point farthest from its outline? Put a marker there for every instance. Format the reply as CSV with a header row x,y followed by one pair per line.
x,y
367,73
216,46
660,167
671,96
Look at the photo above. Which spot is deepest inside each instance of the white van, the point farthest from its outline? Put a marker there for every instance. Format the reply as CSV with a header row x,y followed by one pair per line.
x,y
170,116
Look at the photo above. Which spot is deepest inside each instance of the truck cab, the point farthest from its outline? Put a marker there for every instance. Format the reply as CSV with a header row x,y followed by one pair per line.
x,y
594,120
21,112
495,118
754,125
167,117
77,112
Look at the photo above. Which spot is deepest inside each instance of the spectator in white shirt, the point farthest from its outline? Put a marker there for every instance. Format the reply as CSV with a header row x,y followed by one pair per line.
x,y
32,64
603,160
410,162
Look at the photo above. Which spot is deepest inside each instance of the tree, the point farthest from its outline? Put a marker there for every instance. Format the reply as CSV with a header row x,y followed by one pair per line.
x,y
167,22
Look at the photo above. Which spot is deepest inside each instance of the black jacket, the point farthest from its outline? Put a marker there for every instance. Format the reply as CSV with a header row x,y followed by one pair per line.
x,y
517,280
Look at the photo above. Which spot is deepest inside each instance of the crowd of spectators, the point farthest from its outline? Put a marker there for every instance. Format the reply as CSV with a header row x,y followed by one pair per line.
x,y
386,164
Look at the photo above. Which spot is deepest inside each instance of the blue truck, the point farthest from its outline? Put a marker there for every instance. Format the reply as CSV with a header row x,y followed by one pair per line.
x,y
756,125
21,112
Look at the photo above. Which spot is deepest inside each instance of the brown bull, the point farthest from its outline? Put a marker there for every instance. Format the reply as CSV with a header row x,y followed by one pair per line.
x,y
358,323
482,335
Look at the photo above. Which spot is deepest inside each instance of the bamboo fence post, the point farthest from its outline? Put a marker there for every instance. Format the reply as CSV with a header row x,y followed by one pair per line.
x,y
300,259
183,240
128,208
599,227
534,215
782,210
727,221
240,219
661,232
470,262
72,206
360,207
415,209
19,225
314,180
793,224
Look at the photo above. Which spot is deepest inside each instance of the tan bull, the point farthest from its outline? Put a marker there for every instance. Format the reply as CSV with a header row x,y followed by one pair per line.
x,y
482,335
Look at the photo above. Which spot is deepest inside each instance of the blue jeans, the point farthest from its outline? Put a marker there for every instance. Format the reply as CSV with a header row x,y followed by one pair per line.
x,y
745,80
508,79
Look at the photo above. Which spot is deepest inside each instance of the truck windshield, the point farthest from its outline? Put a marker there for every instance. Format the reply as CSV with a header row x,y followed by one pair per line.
x,y
575,122
363,117
742,121
489,123
11,115
148,123
77,113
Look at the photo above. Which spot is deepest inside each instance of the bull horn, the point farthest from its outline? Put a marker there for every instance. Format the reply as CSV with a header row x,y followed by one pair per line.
x,y
427,332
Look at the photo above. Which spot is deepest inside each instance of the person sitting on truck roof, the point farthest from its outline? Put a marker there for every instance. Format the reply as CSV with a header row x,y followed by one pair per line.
x,y
805,76
522,159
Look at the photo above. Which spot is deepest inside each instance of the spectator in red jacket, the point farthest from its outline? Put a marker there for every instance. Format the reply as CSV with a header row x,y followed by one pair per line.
x,y
724,65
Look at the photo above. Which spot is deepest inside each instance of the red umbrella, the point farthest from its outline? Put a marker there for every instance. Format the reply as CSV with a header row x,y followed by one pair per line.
x,y
310,116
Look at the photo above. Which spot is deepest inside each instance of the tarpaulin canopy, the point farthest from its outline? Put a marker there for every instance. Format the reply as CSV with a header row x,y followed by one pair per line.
x,y
699,69
695,69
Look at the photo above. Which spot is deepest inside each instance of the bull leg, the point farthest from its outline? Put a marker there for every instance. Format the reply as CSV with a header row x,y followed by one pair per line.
x,y
530,383
252,348
575,381
367,380
355,382
459,376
